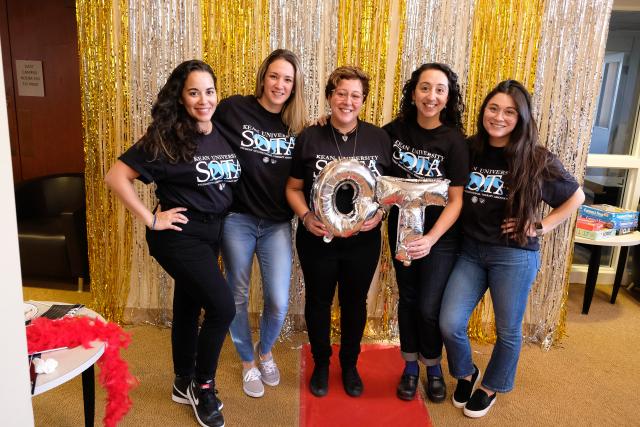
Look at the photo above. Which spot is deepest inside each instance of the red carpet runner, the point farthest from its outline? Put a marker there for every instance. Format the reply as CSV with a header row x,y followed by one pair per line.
x,y
380,367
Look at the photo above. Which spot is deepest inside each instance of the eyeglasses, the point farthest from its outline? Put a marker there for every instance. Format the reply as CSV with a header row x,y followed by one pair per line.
x,y
508,113
342,95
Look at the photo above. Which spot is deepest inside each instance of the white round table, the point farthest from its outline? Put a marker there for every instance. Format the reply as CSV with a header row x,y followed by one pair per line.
x,y
624,241
71,363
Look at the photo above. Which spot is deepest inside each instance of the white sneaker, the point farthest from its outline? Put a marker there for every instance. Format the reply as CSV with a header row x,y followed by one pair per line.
x,y
251,382
269,372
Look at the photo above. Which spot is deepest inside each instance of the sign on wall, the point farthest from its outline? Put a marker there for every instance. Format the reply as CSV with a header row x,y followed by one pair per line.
x,y
29,76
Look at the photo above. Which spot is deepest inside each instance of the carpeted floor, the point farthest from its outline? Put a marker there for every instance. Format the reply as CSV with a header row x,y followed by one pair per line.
x,y
592,378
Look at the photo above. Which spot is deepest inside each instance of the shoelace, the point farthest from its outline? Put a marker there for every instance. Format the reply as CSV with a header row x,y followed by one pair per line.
x,y
269,366
252,375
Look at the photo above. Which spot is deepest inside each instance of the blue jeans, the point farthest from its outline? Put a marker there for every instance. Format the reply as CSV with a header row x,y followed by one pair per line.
x,y
508,274
243,235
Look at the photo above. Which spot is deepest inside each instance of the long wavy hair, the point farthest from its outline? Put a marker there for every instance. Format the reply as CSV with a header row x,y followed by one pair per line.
x,y
294,111
172,133
451,115
529,163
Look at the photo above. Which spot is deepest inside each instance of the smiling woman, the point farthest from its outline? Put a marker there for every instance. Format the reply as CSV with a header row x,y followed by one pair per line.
x,y
349,262
262,130
180,153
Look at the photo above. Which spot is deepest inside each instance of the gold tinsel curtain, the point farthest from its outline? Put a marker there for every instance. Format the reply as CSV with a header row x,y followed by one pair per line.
x,y
504,46
103,49
235,39
128,48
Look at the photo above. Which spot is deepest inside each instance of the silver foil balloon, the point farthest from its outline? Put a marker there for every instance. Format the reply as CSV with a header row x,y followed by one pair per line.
x,y
323,197
411,196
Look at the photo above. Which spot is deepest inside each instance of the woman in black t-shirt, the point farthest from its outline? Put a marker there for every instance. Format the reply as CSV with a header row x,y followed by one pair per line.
x,y
262,130
427,143
348,262
192,166
501,221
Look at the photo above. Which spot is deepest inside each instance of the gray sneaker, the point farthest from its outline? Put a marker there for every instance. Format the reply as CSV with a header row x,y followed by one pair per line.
x,y
251,383
268,369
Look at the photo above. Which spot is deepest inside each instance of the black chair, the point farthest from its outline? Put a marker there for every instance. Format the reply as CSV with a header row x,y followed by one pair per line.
x,y
52,231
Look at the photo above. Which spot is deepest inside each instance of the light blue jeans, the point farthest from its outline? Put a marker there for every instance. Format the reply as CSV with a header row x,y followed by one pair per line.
x,y
508,274
243,235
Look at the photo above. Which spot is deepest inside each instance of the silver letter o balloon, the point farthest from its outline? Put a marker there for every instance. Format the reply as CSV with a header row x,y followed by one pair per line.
x,y
323,196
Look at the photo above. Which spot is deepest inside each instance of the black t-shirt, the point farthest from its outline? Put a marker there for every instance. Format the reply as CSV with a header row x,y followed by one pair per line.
x,y
486,194
318,145
264,147
200,184
420,153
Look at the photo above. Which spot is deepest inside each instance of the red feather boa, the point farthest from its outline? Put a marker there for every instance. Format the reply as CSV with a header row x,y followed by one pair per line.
x,y
71,332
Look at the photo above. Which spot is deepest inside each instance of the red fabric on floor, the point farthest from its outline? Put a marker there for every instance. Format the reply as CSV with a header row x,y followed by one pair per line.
x,y
380,367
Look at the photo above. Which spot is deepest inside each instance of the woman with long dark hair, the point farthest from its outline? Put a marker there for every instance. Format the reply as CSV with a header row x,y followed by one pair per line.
x,y
262,130
192,167
511,174
427,143
348,263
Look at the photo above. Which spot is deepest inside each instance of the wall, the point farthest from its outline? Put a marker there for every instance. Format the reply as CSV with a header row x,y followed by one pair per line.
x,y
46,132
14,392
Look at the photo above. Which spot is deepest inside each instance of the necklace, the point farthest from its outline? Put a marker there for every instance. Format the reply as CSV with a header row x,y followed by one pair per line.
x,y
345,138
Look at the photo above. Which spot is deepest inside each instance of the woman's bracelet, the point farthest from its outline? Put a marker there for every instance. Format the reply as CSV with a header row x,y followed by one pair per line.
x,y
153,224
304,217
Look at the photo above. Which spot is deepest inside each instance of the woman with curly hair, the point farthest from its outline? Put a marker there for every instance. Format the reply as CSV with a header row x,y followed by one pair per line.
x,y
427,143
511,174
262,130
192,167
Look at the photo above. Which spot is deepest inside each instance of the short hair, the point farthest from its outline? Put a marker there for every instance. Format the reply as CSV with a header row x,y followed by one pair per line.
x,y
347,72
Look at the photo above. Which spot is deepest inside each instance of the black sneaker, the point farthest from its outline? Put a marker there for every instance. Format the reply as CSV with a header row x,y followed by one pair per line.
x,y
351,381
179,393
204,403
464,388
479,404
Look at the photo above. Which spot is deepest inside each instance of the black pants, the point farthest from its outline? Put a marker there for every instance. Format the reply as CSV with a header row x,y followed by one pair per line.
x,y
350,263
420,288
190,256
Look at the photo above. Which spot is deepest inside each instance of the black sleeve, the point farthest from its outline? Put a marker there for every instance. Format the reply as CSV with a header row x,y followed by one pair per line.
x,y
137,159
297,162
458,166
385,157
556,191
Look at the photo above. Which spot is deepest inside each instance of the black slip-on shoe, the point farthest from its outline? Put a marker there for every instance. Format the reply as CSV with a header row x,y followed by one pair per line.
x,y
407,387
352,382
464,388
436,388
319,384
479,404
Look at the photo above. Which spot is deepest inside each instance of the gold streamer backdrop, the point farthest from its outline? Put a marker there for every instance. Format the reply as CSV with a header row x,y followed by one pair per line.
x,y
561,52
103,48
504,45
235,39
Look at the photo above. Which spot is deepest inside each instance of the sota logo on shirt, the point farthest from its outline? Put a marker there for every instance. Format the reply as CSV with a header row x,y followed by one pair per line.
x,y
220,168
487,182
367,161
275,144
419,163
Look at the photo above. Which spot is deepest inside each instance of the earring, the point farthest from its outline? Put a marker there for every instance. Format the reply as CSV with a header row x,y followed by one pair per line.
x,y
413,102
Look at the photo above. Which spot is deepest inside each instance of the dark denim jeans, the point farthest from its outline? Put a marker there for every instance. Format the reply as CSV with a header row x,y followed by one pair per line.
x,y
420,287
508,274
